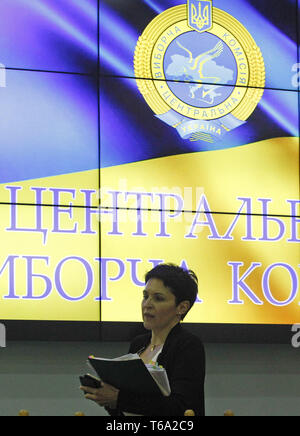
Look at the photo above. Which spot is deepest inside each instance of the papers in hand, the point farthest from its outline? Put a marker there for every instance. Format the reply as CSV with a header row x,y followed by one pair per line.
x,y
130,373
160,376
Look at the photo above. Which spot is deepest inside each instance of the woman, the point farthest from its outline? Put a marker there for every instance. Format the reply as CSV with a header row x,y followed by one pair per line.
x,y
169,294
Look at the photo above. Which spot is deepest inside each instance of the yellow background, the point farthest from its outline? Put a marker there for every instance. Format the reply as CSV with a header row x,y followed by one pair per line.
x,y
267,169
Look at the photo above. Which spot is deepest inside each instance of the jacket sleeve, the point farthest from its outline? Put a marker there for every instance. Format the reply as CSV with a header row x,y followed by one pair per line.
x,y
185,366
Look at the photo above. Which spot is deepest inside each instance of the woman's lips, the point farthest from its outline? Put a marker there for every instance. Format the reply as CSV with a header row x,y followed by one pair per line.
x,y
148,316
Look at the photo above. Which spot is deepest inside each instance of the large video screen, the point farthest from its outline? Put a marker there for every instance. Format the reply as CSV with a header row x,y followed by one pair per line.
x,y
142,131
200,155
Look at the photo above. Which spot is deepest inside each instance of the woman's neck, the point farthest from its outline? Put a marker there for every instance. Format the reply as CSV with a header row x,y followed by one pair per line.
x,y
159,336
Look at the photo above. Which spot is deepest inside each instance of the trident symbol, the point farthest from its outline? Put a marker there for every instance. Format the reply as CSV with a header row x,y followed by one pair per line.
x,y
198,18
200,15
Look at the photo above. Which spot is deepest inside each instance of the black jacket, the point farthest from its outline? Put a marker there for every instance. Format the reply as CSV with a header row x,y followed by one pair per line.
x,y
183,358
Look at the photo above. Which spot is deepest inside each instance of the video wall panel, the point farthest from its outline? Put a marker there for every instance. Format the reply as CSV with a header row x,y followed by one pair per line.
x,y
49,131
49,268
273,30
247,266
49,35
146,154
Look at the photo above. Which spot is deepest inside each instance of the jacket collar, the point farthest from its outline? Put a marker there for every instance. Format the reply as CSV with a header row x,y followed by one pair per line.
x,y
175,330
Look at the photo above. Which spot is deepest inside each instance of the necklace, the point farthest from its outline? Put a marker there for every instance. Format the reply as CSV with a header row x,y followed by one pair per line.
x,y
152,346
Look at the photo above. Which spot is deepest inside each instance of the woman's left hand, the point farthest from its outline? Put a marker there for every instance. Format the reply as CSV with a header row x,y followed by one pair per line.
x,y
106,396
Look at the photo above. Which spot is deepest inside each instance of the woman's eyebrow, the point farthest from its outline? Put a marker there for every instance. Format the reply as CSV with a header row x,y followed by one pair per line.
x,y
155,293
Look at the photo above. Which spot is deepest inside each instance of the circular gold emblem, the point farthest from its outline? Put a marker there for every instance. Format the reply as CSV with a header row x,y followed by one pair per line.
x,y
203,83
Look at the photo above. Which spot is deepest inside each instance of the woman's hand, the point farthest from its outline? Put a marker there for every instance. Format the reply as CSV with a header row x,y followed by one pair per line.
x,y
106,396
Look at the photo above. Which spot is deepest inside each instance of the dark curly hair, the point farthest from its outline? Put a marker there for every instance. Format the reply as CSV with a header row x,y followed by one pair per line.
x,y
182,283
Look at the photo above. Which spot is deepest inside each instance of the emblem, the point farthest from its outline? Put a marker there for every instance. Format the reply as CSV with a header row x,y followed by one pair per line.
x,y
199,70
200,15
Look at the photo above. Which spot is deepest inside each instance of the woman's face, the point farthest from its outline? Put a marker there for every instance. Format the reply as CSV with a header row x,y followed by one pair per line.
x,y
159,308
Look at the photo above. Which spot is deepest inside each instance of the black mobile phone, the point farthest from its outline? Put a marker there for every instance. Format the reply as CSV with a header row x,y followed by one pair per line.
x,y
90,381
